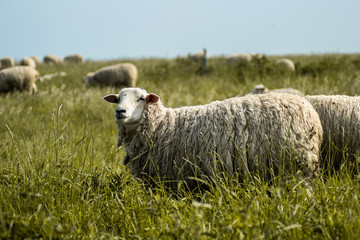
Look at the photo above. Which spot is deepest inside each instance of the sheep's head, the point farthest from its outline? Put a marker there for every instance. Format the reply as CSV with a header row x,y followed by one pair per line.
x,y
131,104
87,79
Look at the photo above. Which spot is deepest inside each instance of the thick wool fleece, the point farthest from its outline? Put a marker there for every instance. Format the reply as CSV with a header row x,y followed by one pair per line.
x,y
120,75
340,118
244,135
18,78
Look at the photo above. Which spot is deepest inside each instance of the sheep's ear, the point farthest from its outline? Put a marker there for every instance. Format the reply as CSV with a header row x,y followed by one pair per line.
x,y
112,98
152,97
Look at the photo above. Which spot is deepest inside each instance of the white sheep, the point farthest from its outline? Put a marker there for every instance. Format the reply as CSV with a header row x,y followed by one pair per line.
x,y
242,135
18,78
238,58
27,61
36,59
260,89
285,64
75,58
340,118
52,59
120,75
7,62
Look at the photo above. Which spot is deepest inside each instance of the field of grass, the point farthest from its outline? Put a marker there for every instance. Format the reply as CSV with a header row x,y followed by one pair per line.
x,y
62,176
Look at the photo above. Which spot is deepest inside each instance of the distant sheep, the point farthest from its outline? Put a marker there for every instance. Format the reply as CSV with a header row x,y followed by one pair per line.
x,y
50,76
52,59
259,89
120,75
244,135
36,59
285,64
75,58
7,62
18,78
238,58
340,117
27,61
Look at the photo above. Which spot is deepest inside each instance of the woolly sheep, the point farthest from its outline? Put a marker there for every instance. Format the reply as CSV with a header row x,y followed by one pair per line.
x,y
285,64
242,135
27,61
259,89
18,78
7,62
36,59
340,117
75,58
52,59
239,58
50,76
120,75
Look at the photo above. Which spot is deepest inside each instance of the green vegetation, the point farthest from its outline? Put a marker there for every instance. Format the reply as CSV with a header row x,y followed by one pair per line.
x,y
62,177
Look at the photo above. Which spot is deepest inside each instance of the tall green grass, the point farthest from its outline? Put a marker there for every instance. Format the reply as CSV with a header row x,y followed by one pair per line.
x,y
62,176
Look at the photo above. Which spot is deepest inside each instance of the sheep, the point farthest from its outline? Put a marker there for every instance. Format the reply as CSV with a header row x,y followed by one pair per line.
x,y
239,58
50,76
241,135
200,57
18,78
27,61
120,75
340,118
259,89
285,64
52,59
7,62
36,59
75,58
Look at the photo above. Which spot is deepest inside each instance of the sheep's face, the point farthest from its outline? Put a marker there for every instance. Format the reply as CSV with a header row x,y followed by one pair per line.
x,y
87,79
131,104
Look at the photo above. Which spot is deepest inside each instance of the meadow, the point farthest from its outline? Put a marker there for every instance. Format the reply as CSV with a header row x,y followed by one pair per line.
x,y
62,176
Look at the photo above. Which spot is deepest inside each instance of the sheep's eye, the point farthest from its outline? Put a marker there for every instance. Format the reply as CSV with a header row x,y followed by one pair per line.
x,y
141,99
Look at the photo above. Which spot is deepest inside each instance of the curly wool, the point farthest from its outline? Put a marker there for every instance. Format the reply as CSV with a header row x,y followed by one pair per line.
x,y
120,75
18,78
242,135
340,117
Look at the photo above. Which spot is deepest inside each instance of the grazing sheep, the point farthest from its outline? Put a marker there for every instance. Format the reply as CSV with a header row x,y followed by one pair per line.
x,y
75,58
242,135
7,62
285,64
340,118
239,58
52,59
18,78
50,76
36,59
259,89
27,61
120,75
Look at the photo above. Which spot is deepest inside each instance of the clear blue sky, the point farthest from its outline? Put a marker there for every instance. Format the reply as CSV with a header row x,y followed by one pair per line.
x,y
111,29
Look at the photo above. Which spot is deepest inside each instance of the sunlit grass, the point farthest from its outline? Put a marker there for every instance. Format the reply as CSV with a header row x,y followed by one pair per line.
x,y
62,177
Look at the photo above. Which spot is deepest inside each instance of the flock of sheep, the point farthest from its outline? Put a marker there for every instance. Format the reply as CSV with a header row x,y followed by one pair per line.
x,y
264,130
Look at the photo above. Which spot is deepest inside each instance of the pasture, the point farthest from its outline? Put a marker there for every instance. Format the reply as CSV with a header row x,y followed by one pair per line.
x,y
62,176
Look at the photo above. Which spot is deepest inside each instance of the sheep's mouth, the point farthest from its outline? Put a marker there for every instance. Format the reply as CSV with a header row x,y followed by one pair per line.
x,y
121,117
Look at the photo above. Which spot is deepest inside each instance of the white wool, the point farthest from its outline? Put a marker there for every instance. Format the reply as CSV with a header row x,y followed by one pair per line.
x,y
244,135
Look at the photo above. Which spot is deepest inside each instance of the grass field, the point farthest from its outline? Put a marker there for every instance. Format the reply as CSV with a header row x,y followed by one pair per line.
x,y
62,176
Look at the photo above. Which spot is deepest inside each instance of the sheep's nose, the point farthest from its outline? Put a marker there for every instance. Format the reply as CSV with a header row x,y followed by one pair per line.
x,y
120,113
